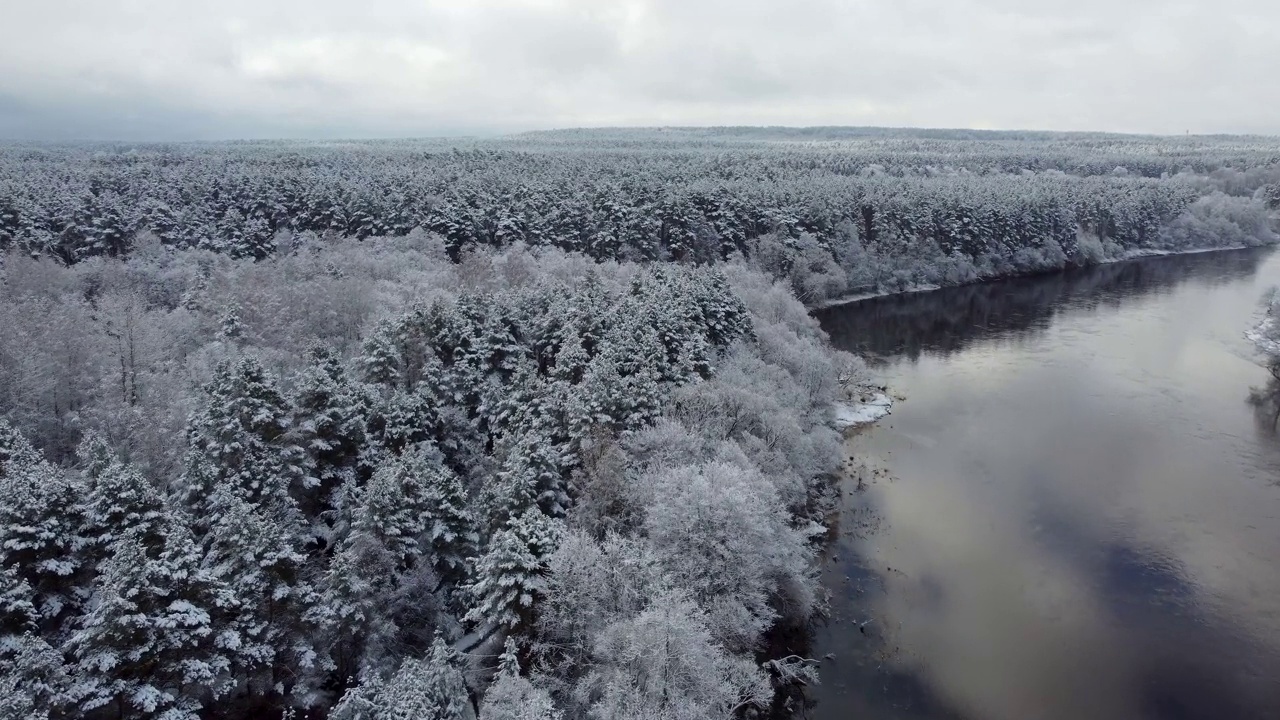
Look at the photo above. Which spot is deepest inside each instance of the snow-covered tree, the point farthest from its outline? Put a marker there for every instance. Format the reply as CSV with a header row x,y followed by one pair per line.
x,y
33,678
377,591
15,449
381,360
533,474
239,438
698,517
231,326
34,683
328,425
94,455
664,663
42,530
513,697
152,642
451,527
510,574
258,556
122,502
428,689
1266,337
589,585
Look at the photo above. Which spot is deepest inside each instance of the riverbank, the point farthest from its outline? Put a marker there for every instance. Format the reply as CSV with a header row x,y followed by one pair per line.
x,y
930,287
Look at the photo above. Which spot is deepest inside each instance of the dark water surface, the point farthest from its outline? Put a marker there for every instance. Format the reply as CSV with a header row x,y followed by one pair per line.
x,y
1074,513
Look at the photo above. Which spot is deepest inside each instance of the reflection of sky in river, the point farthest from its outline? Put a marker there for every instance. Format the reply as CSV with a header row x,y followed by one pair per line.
x,y
1083,520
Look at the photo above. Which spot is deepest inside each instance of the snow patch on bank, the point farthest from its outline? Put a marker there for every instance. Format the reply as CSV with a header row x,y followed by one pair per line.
x,y
1262,337
859,297
1147,252
869,408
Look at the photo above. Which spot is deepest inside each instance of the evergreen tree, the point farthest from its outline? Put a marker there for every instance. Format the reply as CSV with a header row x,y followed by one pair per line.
x,y
622,387
427,689
451,527
382,561
534,471
381,361
402,419
329,426
152,643
120,502
42,531
94,455
18,614
509,575
33,680
356,629
571,358
14,448
512,697
239,439
231,326
258,556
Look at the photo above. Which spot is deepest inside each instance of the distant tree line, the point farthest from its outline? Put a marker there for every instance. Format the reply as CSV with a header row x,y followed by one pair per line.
x,y
857,210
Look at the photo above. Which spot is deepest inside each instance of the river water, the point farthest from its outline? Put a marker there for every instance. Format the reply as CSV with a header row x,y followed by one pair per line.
x,y
1073,513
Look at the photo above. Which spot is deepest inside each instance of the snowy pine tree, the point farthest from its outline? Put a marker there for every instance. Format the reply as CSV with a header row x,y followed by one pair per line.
x,y
513,697
34,683
121,502
328,426
259,556
33,679
152,642
509,574
451,528
381,359
377,591
427,689
231,326
239,439
534,471
94,455
14,448
42,531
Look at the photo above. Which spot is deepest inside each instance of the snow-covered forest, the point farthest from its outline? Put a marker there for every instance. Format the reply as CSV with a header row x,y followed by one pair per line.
x,y
534,427
360,479
834,210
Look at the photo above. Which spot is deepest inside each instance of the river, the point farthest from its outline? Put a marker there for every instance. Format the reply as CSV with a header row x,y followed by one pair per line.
x,y
1072,513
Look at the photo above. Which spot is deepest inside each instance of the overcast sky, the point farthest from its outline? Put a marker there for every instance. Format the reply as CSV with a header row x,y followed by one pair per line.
x,y
177,69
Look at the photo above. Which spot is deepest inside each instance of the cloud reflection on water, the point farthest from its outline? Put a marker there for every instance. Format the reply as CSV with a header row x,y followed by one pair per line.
x,y
1083,517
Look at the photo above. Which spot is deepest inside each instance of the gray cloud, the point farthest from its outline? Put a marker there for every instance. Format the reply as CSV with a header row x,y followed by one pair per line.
x,y
177,69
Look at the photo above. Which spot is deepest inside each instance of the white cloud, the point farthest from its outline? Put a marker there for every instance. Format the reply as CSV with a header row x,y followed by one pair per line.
x,y
403,67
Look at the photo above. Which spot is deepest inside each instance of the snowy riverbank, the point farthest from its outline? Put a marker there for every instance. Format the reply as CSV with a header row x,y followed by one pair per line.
x,y
930,287
869,405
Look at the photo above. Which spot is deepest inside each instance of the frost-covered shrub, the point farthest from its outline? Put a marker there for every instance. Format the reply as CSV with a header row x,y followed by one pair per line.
x,y
700,516
665,663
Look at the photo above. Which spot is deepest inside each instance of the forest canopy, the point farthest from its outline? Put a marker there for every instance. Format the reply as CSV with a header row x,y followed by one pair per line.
x,y
359,478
